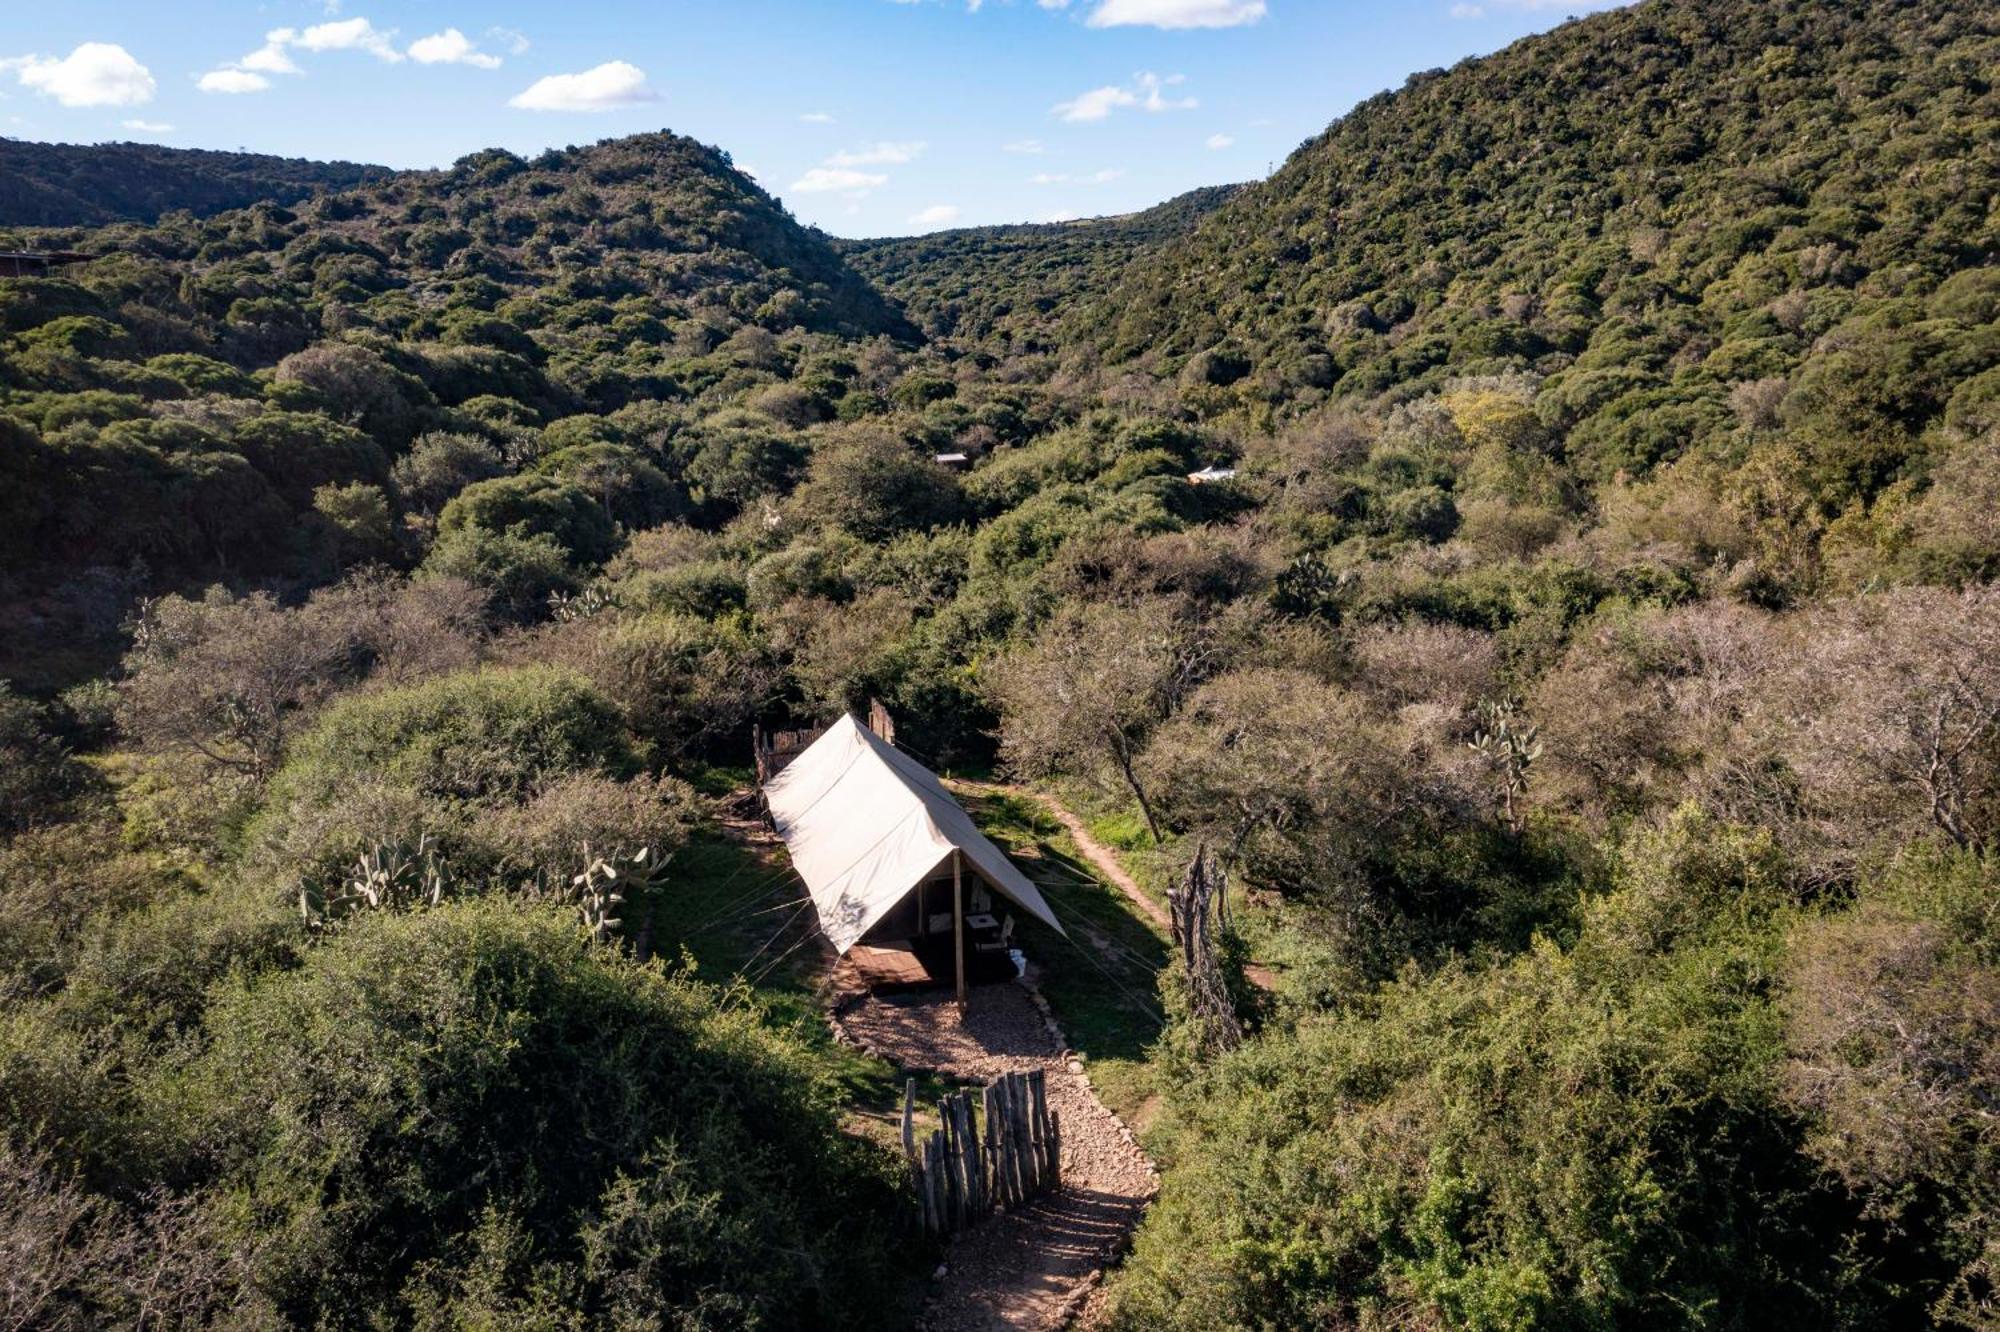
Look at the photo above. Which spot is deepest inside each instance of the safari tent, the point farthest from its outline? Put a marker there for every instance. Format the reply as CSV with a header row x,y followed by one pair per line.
x,y
891,861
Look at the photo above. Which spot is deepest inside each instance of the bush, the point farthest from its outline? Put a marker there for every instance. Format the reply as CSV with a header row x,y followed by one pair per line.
x,y
535,506
633,492
1581,1138
686,685
477,736
438,466
38,778
471,1111
355,384
300,452
544,840
518,571
870,484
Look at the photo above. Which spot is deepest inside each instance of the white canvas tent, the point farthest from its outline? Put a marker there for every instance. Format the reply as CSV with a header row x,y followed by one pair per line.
x,y
866,824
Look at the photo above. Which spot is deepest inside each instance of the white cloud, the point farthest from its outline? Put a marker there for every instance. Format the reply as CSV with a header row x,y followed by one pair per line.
x,y
1060,215
608,87
451,47
1095,104
270,58
1156,100
815,118
1217,142
515,42
147,126
94,74
829,180
232,81
937,215
880,154
1465,11
1145,90
1177,13
1025,147
355,34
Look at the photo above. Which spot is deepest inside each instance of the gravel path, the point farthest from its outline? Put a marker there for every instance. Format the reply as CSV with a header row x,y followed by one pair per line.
x,y
1032,1269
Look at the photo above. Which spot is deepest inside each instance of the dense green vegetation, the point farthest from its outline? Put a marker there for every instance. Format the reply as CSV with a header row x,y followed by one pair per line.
x,y
1649,210
1590,682
1001,287
65,185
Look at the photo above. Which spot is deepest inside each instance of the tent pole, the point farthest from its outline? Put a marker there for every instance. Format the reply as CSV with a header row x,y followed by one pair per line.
x,y
958,925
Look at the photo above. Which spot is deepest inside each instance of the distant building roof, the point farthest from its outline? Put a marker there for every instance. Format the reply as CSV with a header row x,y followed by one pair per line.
x,y
951,457
1207,474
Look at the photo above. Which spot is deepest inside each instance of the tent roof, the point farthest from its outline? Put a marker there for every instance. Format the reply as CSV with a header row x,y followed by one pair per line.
x,y
866,823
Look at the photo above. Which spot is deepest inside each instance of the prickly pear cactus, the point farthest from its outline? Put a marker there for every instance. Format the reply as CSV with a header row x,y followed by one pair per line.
x,y
389,876
607,882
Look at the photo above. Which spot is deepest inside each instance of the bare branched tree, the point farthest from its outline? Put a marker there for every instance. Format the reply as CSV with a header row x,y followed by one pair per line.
x,y
230,678
1889,715
1097,682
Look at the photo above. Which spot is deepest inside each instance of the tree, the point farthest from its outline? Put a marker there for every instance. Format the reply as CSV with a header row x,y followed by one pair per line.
x,y
38,778
533,505
232,678
1269,750
358,516
228,677
428,1099
440,465
867,481
358,386
518,570
1095,683
1889,714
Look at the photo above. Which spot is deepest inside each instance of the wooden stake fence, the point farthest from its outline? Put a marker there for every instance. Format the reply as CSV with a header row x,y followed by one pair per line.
x,y
961,1175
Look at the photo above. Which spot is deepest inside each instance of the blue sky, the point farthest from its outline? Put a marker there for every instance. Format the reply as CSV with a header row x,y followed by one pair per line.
x,y
868,117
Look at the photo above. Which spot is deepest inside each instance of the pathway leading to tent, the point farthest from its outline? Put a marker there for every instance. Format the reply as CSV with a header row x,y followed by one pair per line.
x,y
1030,1270
1098,854
1106,864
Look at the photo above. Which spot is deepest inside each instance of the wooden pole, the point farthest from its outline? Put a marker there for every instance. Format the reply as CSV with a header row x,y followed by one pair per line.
x,y
958,926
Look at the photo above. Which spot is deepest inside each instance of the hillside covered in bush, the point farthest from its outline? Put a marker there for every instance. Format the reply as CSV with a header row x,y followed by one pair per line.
x,y
1589,681
1648,209
68,185
1005,287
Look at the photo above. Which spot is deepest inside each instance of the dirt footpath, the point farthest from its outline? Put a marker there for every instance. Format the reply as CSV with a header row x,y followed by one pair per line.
x,y
1034,1268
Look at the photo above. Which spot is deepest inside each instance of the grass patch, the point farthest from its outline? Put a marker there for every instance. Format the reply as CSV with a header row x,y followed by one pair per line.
x,y
740,918
1101,980
1121,831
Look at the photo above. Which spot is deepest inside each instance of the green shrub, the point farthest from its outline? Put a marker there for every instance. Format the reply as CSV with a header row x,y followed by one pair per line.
x,y
1580,1138
38,778
478,736
535,505
519,571
425,1085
